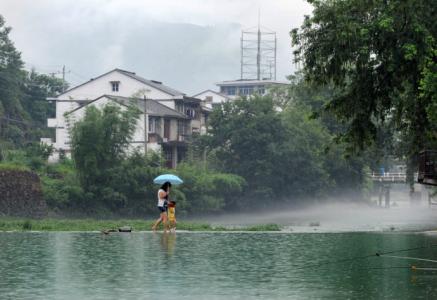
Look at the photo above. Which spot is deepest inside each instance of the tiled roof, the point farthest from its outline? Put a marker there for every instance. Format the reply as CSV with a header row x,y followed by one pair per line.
x,y
153,107
156,84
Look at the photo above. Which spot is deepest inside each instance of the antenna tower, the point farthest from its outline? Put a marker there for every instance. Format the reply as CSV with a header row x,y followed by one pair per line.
x,y
258,53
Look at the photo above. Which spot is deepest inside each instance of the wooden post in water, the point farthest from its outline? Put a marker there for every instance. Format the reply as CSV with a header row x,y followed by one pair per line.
x,y
380,195
387,197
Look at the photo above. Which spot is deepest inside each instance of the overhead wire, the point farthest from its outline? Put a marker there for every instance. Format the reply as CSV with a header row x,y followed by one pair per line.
x,y
377,254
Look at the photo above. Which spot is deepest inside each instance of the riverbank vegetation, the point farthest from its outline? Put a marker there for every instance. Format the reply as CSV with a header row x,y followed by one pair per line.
x,y
11,224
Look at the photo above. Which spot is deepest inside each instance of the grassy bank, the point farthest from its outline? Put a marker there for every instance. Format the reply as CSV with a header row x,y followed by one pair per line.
x,y
12,224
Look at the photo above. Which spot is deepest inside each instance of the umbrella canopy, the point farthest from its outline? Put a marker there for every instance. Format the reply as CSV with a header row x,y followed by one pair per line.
x,y
173,179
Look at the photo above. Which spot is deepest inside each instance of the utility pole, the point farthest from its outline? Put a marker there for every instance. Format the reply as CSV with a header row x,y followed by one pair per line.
x,y
63,72
63,78
258,52
146,125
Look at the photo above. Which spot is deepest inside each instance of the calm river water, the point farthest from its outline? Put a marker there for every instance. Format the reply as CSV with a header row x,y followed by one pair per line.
x,y
213,266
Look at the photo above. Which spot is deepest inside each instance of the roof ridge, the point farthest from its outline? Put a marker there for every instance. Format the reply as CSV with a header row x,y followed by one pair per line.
x,y
160,86
124,71
215,92
147,99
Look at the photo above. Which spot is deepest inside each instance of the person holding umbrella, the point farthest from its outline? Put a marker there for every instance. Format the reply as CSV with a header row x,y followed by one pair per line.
x,y
163,193
166,180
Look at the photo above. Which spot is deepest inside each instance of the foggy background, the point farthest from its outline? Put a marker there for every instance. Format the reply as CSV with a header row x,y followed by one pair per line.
x,y
189,45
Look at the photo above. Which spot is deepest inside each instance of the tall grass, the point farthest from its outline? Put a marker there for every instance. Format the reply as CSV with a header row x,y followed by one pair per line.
x,y
13,224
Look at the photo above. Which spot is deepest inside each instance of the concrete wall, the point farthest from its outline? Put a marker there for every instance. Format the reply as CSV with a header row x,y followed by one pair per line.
x,y
21,194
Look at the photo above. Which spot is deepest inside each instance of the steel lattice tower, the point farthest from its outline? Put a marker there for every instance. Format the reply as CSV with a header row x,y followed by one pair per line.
x,y
258,54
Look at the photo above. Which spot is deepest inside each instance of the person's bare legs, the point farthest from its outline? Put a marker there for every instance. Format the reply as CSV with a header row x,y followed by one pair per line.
x,y
156,224
158,221
164,221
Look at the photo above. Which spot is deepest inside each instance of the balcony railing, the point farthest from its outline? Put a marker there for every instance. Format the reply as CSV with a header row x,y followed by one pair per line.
x,y
156,138
389,177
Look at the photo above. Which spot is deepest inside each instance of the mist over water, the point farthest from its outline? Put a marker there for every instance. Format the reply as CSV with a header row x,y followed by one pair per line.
x,y
341,217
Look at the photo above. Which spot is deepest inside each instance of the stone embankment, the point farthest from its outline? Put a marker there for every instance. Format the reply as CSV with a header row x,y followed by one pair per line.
x,y
21,194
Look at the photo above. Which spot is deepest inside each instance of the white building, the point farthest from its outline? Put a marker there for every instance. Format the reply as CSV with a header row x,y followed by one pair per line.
x,y
230,90
211,98
178,114
236,88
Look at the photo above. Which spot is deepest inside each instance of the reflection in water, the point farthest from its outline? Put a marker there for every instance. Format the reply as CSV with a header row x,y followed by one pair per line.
x,y
213,265
168,241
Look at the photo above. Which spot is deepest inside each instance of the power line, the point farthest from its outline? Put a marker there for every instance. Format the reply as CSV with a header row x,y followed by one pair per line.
x,y
351,259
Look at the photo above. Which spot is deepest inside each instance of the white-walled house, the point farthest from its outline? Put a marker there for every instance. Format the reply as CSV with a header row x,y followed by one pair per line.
x,y
232,89
237,88
211,98
167,105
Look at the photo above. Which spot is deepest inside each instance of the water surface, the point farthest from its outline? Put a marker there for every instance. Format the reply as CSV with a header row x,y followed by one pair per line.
x,y
140,265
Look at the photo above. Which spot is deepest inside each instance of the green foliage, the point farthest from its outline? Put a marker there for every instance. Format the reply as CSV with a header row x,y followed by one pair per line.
x,y
27,225
380,56
245,134
99,144
61,187
133,179
32,155
206,191
12,166
9,224
23,106
281,152
24,110
263,227
300,168
10,75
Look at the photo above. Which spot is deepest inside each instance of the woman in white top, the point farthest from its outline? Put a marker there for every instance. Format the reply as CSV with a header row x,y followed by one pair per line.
x,y
162,205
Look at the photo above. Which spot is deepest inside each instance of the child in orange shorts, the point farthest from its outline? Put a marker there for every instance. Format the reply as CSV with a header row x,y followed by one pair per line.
x,y
172,215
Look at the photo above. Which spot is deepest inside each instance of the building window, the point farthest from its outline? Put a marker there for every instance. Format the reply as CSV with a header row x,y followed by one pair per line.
x,y
245,91
231,91
182,127
182,154
115,85
180,107
152,125
168,157
191,113
228,90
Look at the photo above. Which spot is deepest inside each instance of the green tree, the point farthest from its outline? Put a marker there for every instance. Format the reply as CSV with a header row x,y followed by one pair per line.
x,y
23,106
207,191
35,90
379,55
280,152
245,134
99,144
12,113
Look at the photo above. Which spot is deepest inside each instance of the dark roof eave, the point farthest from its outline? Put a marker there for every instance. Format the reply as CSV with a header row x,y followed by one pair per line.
x,y
167,116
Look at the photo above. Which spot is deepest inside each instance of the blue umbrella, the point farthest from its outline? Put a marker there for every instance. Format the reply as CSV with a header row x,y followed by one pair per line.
x,y
173,179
